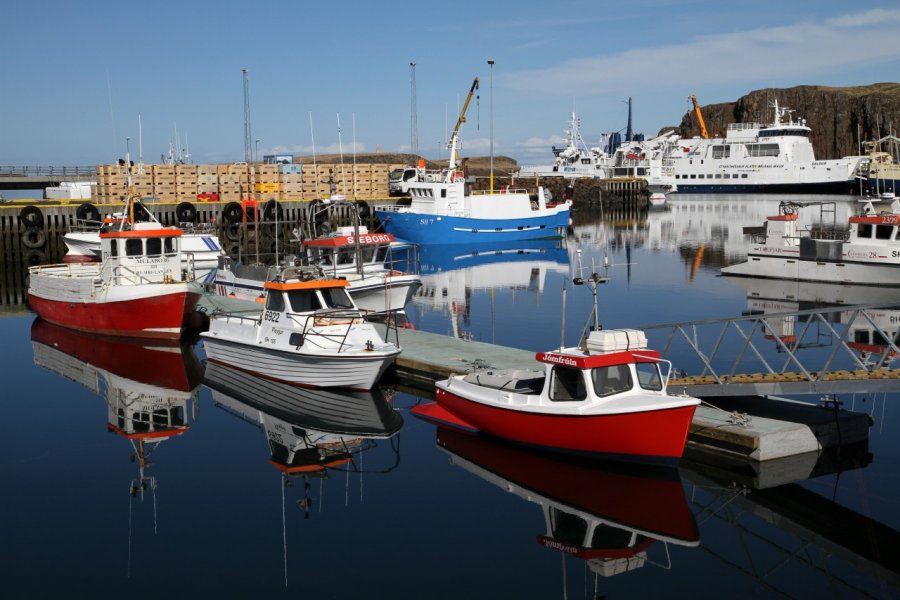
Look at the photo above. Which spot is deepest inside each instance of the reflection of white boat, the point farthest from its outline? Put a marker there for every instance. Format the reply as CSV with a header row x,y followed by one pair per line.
x,y
774,158
309,332
868,253
605,514
307,429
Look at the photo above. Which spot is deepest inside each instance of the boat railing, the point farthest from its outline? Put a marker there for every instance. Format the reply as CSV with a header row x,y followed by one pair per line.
x,y
328,317
502,190
85,226
743,126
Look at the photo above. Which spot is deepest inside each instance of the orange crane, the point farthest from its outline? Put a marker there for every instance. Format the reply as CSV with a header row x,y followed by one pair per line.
x,y
703,132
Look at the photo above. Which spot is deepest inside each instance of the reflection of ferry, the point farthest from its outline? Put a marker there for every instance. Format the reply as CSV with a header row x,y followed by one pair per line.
x,y
606,514
309,430
450,273
151,391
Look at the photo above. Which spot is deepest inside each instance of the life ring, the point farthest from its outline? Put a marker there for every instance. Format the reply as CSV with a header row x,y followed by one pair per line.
x,y
272,210
232,212
186,212
31,216
87,212
34,238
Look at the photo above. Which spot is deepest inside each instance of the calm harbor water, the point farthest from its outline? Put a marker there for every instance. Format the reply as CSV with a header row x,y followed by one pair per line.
x,y
227,501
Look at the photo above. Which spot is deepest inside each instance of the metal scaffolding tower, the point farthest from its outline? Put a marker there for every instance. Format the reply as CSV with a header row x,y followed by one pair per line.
x,y
413,116
248,156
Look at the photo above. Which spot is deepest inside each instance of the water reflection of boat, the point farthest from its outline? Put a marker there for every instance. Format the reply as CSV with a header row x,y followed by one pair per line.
x,y
151,390
450,272
603,513
309,430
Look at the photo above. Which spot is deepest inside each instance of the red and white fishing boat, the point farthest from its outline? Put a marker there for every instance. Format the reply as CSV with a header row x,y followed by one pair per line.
x,y
138,289
864,252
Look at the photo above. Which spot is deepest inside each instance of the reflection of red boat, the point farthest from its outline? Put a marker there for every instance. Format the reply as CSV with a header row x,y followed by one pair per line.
x,y
607,513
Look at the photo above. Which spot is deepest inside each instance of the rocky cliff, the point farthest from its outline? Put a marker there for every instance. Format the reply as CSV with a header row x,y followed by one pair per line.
x,y
834,114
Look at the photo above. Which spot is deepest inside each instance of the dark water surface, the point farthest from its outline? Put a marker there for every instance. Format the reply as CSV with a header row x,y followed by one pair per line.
x,y
222,499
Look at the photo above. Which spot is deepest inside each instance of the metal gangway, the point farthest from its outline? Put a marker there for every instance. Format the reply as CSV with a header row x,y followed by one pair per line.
x,y
826,350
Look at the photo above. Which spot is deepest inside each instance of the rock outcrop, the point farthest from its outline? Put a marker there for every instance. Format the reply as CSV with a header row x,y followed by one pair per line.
x,y
839,117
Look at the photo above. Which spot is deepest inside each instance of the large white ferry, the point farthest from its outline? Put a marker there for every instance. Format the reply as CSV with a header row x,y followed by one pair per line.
x,y
775,158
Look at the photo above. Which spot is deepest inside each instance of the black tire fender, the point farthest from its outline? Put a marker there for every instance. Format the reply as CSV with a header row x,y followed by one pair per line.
x,y
34,237
87,212
186,212
31,216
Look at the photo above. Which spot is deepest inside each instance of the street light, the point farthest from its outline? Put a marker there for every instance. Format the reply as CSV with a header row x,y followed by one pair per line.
x,y
257,151
491,65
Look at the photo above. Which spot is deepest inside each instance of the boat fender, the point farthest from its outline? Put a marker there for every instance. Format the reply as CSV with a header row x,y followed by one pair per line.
x,y
272,210
186,212
34,257
232,212
87,212
233,232
365,211
234,250
34,238
31,216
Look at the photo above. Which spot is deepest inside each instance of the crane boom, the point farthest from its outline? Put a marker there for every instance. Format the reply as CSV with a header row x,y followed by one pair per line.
x,y
454,137
703,132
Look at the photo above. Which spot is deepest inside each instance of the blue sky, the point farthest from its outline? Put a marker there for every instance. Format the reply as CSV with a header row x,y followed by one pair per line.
x,y
76,76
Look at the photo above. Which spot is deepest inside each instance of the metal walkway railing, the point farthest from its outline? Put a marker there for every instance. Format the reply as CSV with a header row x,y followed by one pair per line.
x,y
823,350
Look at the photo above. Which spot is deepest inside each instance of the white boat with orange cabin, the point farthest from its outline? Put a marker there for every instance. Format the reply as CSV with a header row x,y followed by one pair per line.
x,y
139,288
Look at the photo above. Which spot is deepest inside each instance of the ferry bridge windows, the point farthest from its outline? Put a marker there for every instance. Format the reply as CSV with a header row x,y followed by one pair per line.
x,y
759,150
721,151
567,384
864,230
611,380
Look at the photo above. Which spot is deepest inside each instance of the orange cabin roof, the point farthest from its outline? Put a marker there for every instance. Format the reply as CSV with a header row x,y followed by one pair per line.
x,y
143,233
312,284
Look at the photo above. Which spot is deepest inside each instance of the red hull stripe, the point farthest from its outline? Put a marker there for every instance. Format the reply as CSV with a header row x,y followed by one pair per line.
x,y
145,317
658,433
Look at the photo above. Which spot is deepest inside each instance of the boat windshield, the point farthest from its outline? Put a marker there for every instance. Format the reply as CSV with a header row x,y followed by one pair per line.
x,y
612,379
648,376
337,298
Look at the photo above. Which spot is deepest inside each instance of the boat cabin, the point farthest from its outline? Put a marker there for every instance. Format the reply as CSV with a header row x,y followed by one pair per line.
x,y
295,308
615,361
145,253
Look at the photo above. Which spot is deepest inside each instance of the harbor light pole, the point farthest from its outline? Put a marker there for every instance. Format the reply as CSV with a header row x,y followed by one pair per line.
x,y
257,151
491,65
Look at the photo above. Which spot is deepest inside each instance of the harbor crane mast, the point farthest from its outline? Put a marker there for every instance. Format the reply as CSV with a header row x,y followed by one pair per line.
x,y
454,137
703,132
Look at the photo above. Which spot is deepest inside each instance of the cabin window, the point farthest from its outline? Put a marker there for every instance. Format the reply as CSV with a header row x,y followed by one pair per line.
x,y
345,256
743,176
756,150
884,232
113,247
304,300
648,376
134,247
337,298
607,536
567,384
864,230
170,245
611,380
275,301
154,246
443,192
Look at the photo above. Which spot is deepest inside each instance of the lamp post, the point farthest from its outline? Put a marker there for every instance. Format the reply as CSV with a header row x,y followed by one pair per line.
x,y
257,151
491,65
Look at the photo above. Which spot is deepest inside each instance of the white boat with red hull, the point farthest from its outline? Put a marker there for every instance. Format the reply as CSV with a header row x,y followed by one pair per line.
x,y
139,288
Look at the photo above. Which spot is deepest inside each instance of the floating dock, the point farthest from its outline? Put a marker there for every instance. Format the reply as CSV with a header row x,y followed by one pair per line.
x,y
751,429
